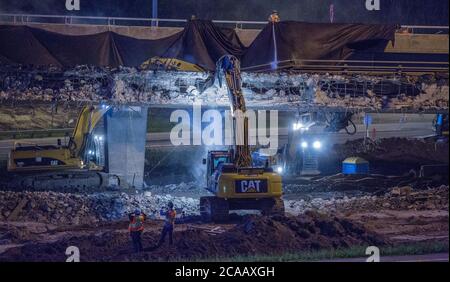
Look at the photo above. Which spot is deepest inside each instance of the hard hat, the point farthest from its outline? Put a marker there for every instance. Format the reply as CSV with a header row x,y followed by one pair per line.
x,y
170,204
137,211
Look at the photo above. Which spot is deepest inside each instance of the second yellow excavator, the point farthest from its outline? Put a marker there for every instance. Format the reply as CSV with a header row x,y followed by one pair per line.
x,y
235,183
79,164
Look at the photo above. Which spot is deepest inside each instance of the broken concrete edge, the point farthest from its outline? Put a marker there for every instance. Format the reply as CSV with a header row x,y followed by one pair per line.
x,y
291,107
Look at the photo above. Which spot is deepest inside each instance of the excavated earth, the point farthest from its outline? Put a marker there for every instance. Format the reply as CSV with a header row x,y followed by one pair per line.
x,y
395,150
249,235
387,156
401,216
387,210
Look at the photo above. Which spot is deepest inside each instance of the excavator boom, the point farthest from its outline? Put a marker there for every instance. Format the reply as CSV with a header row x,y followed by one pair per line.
x,y
230,67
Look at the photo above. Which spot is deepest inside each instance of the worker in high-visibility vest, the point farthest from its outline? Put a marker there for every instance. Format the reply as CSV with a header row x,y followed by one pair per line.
x,y
169,222
136,227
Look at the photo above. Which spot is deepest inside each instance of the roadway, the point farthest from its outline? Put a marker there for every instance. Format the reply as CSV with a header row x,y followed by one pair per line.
x,y
382,130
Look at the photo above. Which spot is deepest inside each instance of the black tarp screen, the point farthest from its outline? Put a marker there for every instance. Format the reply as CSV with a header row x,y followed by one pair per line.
x,y
201,42
97,49
311,41
19,45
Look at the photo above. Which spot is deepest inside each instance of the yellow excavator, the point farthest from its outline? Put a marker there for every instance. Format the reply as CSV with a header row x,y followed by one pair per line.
x,y
230,176
159,63
79,164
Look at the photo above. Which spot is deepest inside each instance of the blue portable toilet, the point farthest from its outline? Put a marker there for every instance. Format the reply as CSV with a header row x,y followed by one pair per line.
x,y
355,165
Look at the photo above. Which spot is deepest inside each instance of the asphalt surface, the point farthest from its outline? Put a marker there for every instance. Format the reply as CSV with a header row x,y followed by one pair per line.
x,y
383,130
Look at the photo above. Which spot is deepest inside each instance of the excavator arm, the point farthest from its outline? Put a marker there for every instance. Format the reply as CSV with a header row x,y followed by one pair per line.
x,y
229,66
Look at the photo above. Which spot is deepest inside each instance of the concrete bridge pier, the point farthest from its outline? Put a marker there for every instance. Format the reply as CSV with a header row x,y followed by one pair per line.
x,y
126,130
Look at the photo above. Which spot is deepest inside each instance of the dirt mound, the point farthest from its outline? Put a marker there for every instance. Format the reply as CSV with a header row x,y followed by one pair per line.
x,y
253,235
395,150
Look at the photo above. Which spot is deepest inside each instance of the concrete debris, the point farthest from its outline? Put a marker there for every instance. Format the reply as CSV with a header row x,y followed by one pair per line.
x,y
13,215
431,96
74,209
401,191
128,85
209,230
399,198
187,188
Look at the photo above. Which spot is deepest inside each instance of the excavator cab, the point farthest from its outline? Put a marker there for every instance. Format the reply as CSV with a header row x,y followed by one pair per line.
x,y
214,159
214,165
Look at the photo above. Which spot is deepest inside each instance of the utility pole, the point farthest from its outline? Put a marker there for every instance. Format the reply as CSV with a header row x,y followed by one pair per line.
x,y
154,12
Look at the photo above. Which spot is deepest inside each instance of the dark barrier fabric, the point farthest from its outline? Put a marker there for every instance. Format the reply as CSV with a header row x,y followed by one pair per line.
x,y
18,45
311,41
201,42
97,49
26,45
135,51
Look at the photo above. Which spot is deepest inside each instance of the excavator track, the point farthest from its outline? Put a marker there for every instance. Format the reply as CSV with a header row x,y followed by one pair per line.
x,y
273,206
214,209
62,181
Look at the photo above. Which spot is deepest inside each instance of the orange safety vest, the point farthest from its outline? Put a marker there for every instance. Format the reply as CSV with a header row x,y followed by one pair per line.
x,y
137,223
170,217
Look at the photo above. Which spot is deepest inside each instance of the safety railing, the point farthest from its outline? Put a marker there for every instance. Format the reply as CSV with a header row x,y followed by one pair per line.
x,y
113,21
355,66
126,21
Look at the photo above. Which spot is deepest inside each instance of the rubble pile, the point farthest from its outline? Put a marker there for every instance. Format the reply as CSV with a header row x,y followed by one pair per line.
x,y
432,95
188,188
131,85
362,184
338,183
50,84
74,209
398,198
